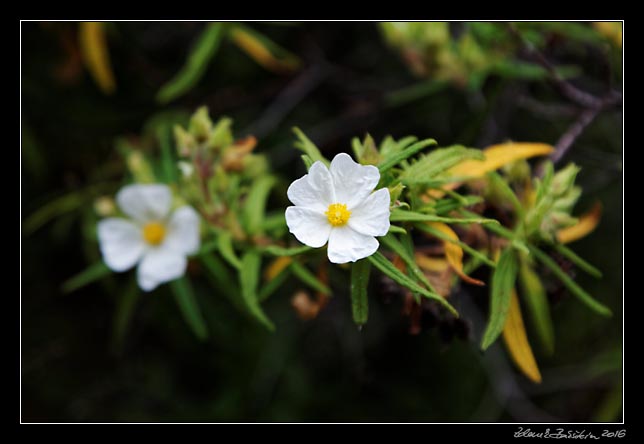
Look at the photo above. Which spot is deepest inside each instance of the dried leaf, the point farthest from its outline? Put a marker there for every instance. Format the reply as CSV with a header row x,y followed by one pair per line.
x,y
93,46
454,253
265,52
497,156
583,227
276,267
516,341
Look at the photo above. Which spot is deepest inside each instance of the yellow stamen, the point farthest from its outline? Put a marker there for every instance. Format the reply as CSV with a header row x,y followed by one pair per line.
x,y
338,214
153,233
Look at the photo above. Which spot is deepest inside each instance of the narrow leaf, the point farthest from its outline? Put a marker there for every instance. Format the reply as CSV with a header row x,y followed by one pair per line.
x,y
575,259
264,51
497,156
305,145
90,274
308,278
93,45
583,227
359,283
437,162
167,158
396,229
281,251
394,245
516,341
534,294
200,55
454,252
503,281
225,242
189,307
412,216
385,266
399,156
255,205
571,285
249,279
427,228
271,286
125,306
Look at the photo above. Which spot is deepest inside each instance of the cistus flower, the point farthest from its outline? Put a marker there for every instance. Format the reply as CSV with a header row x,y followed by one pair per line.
x,y
338,206
153,238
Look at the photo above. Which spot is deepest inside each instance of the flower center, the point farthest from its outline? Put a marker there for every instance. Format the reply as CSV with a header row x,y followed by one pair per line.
x,y
338,214
153,233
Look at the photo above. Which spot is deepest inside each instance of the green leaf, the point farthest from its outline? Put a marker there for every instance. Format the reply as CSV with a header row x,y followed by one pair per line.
x,y
308,147
385,266
219,276
503,281
359,283
446,205
506,193
189,307
438,161
90,274
271,286
538,306
439,234
397,247
308,278
200,55
397,157
308,162
275,221
571,285
396,229
412,216
249,279
168,161
125,305
281,251
414,92
255,205
51,210
581,263
225,242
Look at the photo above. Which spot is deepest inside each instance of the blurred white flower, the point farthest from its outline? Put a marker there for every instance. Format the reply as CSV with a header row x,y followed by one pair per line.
x,y
153,238
337,206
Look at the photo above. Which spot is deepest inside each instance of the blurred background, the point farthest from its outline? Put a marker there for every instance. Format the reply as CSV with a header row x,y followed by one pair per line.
x,y
84,90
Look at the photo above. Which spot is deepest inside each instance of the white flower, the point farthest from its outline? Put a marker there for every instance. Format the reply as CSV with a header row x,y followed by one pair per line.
x,y
155,239
338,206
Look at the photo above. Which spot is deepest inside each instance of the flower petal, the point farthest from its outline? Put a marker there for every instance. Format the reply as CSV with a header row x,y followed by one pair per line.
x,y
314,190
121,243
372,216
352,182
183,231
309,227
347,245
160,265
145,203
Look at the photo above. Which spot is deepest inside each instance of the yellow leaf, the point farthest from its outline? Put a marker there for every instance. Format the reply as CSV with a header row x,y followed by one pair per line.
x,y
428,263
96,57
517,343
454,253
259,52
497,156
276,267
610,30
586,224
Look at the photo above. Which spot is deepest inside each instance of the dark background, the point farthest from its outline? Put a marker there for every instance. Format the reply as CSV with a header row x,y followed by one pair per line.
x,y
319,370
